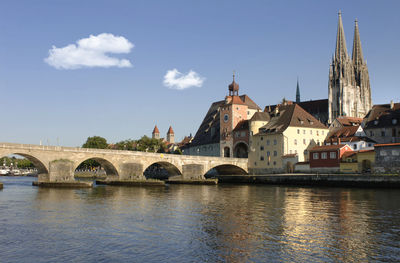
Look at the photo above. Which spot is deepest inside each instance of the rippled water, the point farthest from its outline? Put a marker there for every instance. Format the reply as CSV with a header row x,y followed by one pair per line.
x,y
183,223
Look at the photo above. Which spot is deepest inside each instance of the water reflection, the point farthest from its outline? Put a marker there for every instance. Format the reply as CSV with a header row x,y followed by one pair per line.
x,y
178,223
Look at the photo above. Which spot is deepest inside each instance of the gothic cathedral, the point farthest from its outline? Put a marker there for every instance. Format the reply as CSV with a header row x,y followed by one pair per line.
x,y
349,88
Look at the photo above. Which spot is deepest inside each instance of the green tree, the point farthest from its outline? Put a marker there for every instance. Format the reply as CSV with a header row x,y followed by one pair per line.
x,y
96,142
146,144
129,145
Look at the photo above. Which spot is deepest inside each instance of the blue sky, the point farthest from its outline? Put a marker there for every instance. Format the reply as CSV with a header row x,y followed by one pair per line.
x,y
268,43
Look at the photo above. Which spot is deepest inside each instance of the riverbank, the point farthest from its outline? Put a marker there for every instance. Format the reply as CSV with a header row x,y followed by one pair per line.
x,y
341,180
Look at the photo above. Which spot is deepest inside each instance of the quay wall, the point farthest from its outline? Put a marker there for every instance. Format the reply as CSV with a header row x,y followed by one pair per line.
x,y
337,180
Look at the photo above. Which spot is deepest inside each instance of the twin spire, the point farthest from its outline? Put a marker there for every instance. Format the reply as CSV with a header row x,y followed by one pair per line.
x,y
341,49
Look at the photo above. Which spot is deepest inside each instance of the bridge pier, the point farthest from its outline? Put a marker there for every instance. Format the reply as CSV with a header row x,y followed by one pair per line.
x,y
192,174
61,174
131,171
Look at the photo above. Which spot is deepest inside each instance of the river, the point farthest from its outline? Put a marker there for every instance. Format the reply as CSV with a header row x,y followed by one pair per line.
x,y
192,223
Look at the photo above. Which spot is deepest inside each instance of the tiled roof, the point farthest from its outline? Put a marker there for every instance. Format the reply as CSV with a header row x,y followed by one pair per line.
x,y
260,116
235,100
382,116
170,130
155,130
348,154
327,147
317,108
242,125
344,132
387,144
290,115
349,121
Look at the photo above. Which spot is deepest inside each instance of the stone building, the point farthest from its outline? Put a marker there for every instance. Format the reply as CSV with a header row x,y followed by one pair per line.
x,y
349,87
387,158
170,135
224,130
382,123
287,137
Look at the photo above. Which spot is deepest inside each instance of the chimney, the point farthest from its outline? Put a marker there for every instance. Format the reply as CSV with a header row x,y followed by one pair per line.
x,y
391,105
338,141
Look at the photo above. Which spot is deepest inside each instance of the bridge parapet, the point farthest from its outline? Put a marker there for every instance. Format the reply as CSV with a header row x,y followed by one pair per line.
x,y
122,164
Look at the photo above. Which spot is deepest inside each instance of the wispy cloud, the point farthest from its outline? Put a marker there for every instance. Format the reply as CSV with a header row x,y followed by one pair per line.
x,y
91,52
174,79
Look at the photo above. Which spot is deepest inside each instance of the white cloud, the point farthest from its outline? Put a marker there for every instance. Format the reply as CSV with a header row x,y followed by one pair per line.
x,y
91,52
176,80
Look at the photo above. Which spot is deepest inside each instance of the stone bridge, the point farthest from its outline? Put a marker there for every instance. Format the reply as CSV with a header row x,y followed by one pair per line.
x,y
58,164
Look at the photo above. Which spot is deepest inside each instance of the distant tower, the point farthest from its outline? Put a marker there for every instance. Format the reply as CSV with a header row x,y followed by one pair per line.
x,y
349,90
170,135
298,92
156,133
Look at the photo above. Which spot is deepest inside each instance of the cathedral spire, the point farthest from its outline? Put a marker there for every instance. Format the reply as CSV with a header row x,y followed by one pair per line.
x,y
297,91
357,55
341,50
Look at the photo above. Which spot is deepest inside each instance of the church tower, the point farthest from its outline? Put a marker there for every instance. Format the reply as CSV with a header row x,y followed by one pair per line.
x,y
156,133
170,135
349,91
361,75
297,92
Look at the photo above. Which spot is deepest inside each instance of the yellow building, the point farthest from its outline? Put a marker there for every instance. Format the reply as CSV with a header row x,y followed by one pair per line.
x,y
357,162
284,140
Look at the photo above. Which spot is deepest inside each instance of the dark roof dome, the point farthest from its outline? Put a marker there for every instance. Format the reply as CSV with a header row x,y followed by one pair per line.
x,y
233,86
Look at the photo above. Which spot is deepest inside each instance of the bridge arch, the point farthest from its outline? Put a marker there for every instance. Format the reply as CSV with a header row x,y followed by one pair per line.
x,y
225,169
107,165
161,170
39,164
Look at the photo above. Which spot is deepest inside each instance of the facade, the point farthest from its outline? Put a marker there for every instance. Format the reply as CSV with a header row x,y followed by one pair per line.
x,y
387,158
170,135
348,130
327,158
382,123
225,128
285,140
349,91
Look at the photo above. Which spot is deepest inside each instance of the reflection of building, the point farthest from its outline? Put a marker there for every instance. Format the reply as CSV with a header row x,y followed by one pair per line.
x,y
349,87
225,128
285,140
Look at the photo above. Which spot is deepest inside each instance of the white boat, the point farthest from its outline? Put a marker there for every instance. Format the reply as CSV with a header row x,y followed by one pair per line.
x,y
4,171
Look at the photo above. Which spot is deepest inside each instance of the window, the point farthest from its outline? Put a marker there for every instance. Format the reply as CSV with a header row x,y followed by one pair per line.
x,y
275,153
324,155
322,132
268,153
394,121
261,148
395,152
315,156
310,131
243,134
355,146
262,138
298,131
383,133
304,141
267,142
304,131
332,155
275,142
248,113
274,163
295,141
376,122
317,133
261,158
226,118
